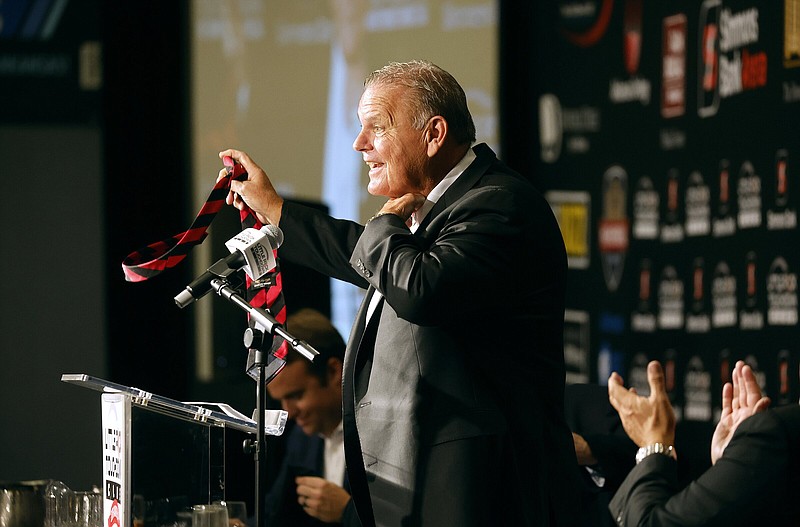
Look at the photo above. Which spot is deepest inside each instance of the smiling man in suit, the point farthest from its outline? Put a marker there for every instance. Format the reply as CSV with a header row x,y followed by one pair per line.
x,y
311,487
453,382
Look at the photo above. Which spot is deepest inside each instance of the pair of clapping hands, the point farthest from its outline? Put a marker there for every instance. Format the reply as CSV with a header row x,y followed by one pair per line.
x,y
651,420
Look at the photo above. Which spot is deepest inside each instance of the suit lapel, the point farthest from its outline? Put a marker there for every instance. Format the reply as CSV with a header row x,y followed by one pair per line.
x,y
483,160
355,340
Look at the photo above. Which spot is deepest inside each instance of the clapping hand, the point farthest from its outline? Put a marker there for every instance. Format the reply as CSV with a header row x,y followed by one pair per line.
x,y
646,420
740,399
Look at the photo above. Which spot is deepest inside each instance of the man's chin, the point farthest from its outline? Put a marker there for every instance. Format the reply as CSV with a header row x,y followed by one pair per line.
x,y
374,190
308,430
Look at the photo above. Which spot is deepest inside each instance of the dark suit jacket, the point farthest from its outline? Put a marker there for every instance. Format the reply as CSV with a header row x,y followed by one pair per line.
x,y
304,457
755,482
453,395
590,414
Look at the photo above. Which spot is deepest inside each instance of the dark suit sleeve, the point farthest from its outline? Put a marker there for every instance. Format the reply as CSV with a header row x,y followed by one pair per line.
x,y
738,490
315,240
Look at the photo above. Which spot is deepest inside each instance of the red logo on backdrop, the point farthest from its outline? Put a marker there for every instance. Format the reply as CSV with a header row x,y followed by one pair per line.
x,y
613,235
673,70
585,22
613,226
632,35
113,518
708,55
724,183
781,181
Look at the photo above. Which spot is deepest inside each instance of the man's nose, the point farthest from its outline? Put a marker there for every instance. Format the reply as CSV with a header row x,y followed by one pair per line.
x,y
361,143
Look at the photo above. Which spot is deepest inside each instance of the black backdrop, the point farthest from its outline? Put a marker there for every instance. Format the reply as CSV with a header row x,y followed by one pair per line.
x,y
665,136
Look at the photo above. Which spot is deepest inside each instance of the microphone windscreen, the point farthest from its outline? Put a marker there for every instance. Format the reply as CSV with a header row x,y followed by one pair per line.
x,y
274,233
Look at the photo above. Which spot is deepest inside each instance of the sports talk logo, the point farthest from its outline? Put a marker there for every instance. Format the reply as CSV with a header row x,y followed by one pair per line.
x,y
729,60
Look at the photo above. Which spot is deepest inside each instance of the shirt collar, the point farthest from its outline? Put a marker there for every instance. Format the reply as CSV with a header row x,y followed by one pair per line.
x,y
337,432
438,191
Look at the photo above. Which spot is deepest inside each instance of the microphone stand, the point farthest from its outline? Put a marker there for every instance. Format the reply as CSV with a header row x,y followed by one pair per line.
x,y
263,317
254,341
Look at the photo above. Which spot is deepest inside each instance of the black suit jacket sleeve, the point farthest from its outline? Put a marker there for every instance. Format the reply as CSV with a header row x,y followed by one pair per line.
x,y
752,482
315,240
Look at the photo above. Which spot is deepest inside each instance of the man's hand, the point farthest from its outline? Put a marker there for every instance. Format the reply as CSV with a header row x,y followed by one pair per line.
x,y
740,400
321,499
583,451
403,206
646,420
256,192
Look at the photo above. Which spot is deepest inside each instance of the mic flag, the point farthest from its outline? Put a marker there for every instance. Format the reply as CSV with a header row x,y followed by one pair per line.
x,y
149,261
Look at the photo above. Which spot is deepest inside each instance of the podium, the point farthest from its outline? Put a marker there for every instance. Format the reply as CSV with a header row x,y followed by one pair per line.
x,y
161,456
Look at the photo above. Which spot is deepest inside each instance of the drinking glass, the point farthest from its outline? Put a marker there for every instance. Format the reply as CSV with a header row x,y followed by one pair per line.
x,y
237,512
58,499
88,509
213,515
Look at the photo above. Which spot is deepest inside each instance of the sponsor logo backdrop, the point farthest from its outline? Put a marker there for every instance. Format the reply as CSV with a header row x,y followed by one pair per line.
x,y
669,145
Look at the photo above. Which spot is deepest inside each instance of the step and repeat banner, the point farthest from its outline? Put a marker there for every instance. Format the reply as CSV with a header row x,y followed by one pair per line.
x,y
668,145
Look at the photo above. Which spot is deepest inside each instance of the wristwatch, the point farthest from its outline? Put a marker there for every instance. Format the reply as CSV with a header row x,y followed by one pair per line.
x,y
655,448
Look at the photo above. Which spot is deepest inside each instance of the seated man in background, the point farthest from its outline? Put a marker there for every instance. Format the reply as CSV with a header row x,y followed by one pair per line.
x,y
604,451
755,472
310,488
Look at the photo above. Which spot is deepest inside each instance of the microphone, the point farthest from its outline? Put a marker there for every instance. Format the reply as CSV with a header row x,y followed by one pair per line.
x,y
251,250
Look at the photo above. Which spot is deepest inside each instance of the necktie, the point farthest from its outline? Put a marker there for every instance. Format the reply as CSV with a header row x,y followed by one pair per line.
x,y
265,293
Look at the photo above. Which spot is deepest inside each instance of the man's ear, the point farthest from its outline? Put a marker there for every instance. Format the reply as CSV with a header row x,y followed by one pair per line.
x,y
435,134
333,370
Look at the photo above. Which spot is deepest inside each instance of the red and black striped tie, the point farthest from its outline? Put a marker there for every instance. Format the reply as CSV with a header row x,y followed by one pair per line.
x,y
265,293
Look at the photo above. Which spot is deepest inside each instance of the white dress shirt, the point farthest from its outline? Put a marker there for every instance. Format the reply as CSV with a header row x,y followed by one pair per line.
x,y
334,456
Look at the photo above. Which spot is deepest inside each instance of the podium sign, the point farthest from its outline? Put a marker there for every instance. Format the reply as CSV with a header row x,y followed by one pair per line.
x,y
116,411
161,454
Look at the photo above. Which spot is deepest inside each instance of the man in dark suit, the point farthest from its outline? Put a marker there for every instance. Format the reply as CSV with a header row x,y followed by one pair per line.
x,y
454,371
755,471
311,487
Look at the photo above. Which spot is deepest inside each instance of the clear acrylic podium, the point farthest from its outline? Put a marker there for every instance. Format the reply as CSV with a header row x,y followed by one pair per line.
x,y
161,456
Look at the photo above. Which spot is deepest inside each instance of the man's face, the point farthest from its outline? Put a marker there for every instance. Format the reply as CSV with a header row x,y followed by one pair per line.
x,y
395,152
315,407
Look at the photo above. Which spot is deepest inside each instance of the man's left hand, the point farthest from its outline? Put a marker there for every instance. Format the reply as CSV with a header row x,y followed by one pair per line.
x,y
403,206
741,399
583,451
321,499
